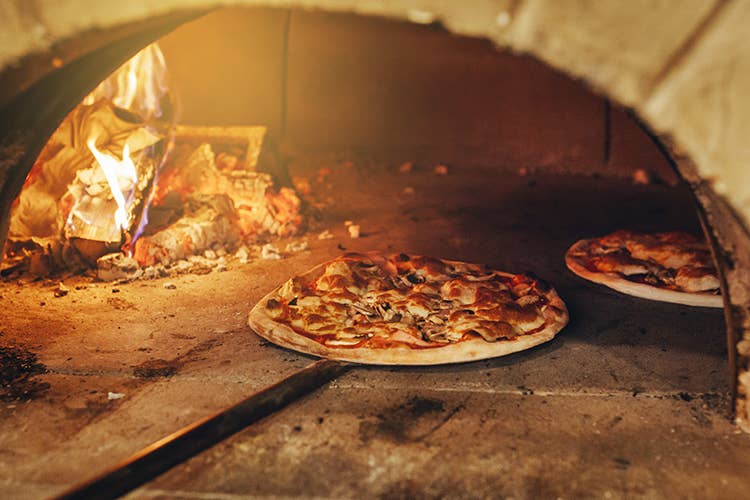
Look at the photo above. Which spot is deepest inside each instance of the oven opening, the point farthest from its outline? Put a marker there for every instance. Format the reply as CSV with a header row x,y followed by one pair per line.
x,y
184,170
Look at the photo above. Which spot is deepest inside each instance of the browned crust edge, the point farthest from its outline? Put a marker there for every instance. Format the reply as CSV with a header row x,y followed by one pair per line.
x,y
462,352
616,282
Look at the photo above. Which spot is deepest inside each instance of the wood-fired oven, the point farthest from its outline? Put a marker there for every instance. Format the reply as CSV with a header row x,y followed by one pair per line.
x,y
163,167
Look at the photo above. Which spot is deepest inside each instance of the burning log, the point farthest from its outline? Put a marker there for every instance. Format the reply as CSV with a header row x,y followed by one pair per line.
x,y
261,209
210,221
68,199
244,143
84,188
104,196
38,211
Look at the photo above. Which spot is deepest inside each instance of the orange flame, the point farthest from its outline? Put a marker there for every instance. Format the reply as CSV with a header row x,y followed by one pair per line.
x,y
138,85
122,177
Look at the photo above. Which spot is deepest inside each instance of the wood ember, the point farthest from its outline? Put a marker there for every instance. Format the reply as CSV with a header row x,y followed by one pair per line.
x,y
117,266
43,257
261,209
246,141
207,200
209,220
642,177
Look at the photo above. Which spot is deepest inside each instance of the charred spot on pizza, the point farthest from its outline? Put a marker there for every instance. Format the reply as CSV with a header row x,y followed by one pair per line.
x,y
415,279
273,304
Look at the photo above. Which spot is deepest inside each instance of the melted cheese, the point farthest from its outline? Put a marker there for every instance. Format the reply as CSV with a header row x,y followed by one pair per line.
x,y
418,302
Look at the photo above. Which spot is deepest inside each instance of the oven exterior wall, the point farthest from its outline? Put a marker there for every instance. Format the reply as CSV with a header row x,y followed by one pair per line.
x,y
690,90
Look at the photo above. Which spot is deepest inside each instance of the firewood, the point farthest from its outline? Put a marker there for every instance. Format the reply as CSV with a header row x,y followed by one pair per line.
x,y
210,220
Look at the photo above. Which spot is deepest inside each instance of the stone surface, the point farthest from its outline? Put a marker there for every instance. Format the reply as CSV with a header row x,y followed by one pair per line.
x,y
407,443
631,149
353,87
181,354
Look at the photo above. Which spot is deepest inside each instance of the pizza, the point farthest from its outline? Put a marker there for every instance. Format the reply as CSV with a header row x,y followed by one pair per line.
x,y
670,267
408,310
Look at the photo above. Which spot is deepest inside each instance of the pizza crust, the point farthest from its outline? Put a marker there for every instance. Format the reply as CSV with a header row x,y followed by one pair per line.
x,y
642,290
460,352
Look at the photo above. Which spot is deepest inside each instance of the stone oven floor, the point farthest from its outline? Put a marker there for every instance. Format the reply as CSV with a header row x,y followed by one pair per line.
x,y
631,399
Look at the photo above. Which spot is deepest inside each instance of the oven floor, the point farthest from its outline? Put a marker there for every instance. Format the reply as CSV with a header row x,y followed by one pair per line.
x,y
631,399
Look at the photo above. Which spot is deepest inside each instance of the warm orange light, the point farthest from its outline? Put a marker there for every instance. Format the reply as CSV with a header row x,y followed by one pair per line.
x,y
138,85
122,178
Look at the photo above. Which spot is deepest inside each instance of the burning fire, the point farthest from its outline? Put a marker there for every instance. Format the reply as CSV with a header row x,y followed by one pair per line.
x,y
139,85
116,170
76,210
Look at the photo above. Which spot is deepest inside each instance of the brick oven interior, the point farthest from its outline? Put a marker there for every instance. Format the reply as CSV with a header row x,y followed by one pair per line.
x,y
633,398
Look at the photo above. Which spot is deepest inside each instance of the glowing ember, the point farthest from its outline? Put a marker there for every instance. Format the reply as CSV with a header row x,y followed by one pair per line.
x,y
115,171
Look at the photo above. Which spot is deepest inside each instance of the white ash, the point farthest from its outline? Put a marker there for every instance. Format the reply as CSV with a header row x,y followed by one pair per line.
x,y
354,231
243,254
154,272
269,251
117,266
296,246
119,269
325,235
115,395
